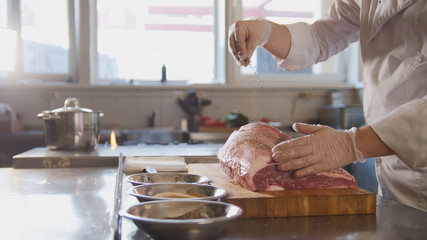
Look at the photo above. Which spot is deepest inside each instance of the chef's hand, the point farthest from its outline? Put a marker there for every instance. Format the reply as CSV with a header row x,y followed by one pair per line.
x,y
245,36
322,149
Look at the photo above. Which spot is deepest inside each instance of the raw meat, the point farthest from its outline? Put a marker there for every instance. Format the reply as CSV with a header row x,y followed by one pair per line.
x,y
246,158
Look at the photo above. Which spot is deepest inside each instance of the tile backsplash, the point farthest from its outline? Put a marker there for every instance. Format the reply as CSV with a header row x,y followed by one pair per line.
x,y
126,108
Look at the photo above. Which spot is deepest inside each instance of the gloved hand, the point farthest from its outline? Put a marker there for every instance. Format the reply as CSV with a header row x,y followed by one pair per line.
x,y
245,36
322,149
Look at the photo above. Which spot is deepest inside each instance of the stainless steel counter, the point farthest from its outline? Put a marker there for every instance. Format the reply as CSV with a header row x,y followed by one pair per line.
x,y
56,203
77,203
105,156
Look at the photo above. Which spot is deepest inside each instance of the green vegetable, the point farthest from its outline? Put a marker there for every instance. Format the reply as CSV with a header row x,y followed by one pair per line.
x,y
236,119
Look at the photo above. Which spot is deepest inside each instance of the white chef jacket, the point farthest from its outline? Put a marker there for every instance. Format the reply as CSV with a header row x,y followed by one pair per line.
x,y
393,41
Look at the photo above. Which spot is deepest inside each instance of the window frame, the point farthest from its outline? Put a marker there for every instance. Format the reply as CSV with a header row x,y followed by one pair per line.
x,y
219,67
18,75
84,56
337,80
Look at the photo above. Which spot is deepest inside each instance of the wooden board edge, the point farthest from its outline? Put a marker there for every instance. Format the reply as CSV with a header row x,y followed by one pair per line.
x,y
302,207
351,201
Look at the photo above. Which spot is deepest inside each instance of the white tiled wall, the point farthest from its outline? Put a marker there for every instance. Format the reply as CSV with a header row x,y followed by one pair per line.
x,y
130,108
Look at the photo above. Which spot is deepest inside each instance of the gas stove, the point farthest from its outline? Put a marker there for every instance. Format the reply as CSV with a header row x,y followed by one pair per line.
x,y
161,136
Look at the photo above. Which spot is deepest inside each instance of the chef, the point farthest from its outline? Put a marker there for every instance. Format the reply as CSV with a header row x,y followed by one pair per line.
x,y
393,42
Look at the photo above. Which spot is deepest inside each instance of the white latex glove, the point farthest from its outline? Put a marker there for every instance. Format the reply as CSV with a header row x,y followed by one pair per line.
x,y
322,149
245,36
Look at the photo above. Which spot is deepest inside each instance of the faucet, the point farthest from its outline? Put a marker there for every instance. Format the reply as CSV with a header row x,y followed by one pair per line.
x,y
193,107
151,119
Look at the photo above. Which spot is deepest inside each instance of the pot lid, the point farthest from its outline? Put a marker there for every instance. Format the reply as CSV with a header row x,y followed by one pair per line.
x,y
71,104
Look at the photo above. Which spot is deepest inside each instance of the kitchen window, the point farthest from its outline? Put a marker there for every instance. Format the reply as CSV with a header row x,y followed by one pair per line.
x,y
5,63
43,39
139,42
265,66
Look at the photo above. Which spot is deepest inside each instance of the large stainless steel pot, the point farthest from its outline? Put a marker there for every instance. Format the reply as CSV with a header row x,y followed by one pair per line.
x,y
71,127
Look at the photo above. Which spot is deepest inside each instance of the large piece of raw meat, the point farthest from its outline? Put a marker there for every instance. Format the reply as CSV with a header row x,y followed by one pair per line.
x,y
246,158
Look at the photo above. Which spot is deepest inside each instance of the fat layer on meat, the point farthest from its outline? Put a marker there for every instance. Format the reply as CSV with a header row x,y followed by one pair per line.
x,y
246,155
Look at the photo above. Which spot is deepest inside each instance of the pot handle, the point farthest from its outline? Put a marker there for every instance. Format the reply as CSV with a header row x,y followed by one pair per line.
x,y
47,116
69,101
42,115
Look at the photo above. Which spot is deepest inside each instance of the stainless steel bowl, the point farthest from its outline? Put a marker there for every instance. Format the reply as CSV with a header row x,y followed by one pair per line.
x,y
182,219
147,192
149,178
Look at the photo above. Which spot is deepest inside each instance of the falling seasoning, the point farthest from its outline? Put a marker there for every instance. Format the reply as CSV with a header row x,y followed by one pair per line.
x,y
254,79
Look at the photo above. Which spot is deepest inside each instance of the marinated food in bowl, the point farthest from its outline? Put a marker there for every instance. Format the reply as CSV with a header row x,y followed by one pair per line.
x,y
168,191
149,178
178,195
182,219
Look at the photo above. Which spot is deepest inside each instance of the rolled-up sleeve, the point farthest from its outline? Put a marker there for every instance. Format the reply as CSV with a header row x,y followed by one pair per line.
x,y
313,43
304,48
404,130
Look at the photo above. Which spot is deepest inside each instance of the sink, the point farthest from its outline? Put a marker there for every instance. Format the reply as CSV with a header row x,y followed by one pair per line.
x,y
221,137
209,137
156,136
165,136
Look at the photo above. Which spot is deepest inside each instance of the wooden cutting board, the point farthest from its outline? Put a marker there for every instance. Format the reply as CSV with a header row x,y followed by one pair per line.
x,y
310,202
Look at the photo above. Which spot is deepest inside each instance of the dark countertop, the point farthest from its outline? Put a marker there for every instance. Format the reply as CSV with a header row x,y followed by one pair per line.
x,y
77,203
17,142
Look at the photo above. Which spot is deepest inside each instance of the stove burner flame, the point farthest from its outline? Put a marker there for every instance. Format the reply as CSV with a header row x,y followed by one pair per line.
x,y
113,141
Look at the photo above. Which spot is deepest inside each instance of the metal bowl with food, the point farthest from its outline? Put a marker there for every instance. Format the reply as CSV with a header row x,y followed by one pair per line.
x,y
149,178
167,191
182,219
